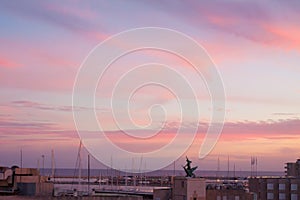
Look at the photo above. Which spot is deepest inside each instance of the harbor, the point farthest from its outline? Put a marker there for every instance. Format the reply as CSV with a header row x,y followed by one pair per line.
x,y
29,183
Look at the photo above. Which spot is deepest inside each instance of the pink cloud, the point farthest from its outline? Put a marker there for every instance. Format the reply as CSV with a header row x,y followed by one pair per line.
x,y
274,25
232,132
7,63
287,35
239,135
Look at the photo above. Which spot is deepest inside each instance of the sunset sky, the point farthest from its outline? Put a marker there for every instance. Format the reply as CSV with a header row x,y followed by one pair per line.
x,y
254,44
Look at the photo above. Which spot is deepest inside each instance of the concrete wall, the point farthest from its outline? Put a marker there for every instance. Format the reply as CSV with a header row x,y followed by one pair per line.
x,y
44,189
196,189
179,188
162,194
188,189
32,185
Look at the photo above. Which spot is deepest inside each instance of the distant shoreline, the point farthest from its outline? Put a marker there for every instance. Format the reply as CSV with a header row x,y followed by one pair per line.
x,y
67,172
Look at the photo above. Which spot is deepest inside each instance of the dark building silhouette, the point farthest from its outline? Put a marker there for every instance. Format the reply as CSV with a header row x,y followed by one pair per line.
x,y
293,169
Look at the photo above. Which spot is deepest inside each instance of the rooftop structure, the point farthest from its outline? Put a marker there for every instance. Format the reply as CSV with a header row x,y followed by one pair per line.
x,y
293,169
23,181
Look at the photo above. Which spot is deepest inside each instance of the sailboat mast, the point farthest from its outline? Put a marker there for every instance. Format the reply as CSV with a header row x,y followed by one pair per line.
x,y
228,166
88,173
52,164
79,160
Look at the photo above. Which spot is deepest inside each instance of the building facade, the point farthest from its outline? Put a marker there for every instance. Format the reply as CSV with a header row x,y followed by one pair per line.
x,y
275,188
228,191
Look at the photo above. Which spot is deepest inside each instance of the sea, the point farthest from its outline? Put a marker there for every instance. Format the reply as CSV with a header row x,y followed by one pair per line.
x,y
60,172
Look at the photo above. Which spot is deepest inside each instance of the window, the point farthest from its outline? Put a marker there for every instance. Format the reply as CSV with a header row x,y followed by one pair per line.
x,y
236,198
224,197
281,196
294,196
270,186
218,197
255,196
294,186
281,186
270,196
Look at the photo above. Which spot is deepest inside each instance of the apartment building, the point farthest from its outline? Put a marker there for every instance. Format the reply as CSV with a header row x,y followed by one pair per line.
x,y
275,188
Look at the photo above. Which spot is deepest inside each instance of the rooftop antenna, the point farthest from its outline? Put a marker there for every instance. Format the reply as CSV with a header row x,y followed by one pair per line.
x,y
256,166
251,164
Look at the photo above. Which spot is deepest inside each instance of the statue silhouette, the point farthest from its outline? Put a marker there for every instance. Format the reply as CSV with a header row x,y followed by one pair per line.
x,y
188,169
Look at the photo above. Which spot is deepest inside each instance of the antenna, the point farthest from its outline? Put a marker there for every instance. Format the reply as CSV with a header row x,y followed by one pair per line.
x,y
256,165
251,163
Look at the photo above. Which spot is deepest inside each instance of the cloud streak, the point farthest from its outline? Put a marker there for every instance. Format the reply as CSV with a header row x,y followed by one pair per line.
x,y
253,20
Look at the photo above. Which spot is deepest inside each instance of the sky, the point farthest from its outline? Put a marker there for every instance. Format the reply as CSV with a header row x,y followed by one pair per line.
x,y
255,46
